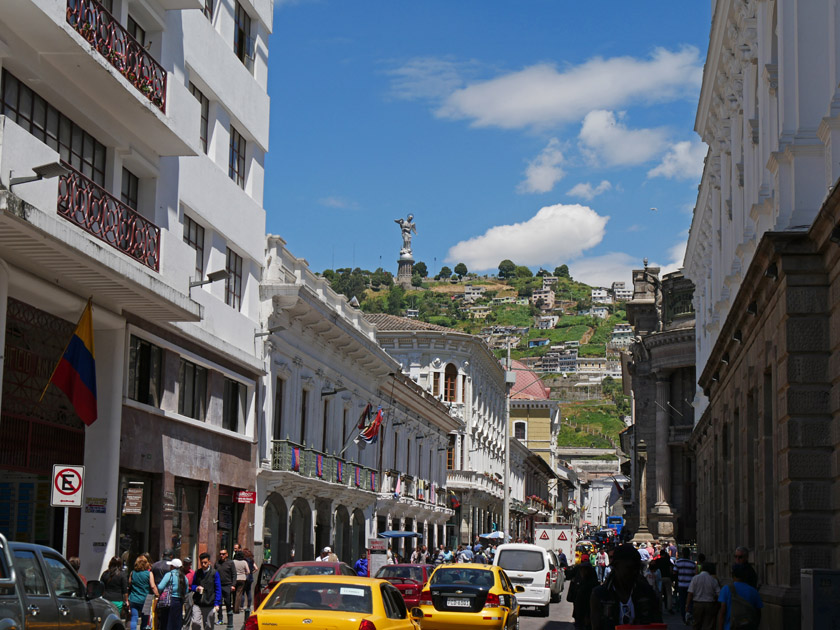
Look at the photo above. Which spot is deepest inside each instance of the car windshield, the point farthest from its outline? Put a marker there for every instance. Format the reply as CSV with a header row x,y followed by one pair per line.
x,y
321,596
304,569
474,577
410,573
521,560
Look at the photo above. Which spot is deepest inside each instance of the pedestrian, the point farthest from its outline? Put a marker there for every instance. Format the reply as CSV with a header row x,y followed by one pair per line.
x,y
141,586
586,581
227,578
742,556
448,558
115,584
361,566
703,598
207,586
188,569
176,581
625,597
480,556
332,557
685,570
563,560
440,556
248,593
601,563
241,568
161,567
740,603
77,564
466,554
663,565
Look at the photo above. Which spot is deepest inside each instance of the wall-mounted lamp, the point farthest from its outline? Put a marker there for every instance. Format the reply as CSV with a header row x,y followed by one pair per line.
x,y
716,377
725,358
737,336
752,308
772,271
44,171
213,276
270,331
332,392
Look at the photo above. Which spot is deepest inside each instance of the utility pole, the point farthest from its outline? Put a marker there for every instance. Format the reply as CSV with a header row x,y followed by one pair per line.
x,y
510,379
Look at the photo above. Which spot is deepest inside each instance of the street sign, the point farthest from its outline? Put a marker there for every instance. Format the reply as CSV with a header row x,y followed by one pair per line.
x,y
562,536
544,536
67,486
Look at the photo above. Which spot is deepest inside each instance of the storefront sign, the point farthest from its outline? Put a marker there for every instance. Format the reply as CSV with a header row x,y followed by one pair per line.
x,y
245,496
68,486
95,505
377,554
132,501
169,502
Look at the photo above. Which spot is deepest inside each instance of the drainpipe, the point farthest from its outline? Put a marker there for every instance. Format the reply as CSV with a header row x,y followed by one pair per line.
x,y
4,305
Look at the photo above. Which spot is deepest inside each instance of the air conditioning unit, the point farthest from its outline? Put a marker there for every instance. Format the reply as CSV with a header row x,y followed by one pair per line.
x,y
820,603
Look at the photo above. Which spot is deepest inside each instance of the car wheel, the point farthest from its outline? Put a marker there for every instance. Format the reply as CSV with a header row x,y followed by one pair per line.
x,y
544,611
555,597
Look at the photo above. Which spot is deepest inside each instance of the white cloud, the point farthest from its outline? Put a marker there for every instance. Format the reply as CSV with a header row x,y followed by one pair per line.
x,y
684,160
676,255
544,170
604,139
602,271
541,95
428,78
338,202
555,234
589,192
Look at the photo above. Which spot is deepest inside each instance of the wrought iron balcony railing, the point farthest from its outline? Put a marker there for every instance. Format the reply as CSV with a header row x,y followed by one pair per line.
x,y
118,46
98,212
308,462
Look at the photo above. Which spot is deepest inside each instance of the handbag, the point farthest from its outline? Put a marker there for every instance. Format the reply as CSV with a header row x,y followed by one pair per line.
x,y
165,599
743,616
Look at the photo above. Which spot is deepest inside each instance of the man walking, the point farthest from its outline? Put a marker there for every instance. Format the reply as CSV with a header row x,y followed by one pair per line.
x,y
684,572
703,595
663,565
227,579
161,567
208,594
742,556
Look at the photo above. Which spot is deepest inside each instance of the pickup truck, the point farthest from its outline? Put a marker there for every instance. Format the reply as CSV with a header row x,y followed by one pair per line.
x,y
39,589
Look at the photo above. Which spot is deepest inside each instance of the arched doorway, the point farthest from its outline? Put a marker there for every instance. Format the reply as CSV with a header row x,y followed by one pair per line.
x,y
342,535
357,534
275,530
300,524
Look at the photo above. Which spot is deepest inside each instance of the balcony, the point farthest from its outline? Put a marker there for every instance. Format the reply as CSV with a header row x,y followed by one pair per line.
x,y
471,480
122,51
95,210
312,464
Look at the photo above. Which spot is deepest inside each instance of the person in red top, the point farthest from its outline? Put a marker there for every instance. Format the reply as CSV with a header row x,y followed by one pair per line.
x,y
188,569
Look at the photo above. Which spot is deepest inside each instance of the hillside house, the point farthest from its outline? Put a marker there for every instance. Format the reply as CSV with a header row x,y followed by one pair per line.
x,y
473,293
600,296
545,322
543,299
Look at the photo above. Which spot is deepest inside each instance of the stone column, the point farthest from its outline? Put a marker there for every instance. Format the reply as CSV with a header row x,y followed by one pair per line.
x,y
643,534
662,514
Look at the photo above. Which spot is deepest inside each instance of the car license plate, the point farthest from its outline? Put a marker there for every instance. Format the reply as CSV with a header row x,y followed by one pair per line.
x,y
460,603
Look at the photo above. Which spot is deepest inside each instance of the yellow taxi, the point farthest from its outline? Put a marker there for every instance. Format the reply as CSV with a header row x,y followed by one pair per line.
x,y
584,547
332,602
469,596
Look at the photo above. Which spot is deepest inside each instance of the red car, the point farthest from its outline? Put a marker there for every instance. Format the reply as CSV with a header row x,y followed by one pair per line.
x,y
269,574
408,578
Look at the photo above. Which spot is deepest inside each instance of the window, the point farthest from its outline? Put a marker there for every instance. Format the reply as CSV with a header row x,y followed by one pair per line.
x,y
233,406
29,573
194,237
233,283
324,421
304,402
136,31
63,578
130,184
242,44
450,453
192,390
205,114
450,383
236,160
144,372
74,145
435,385
277,433
519,430
208,9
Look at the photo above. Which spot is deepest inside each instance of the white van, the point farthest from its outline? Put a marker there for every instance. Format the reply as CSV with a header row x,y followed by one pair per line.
x,y
528,566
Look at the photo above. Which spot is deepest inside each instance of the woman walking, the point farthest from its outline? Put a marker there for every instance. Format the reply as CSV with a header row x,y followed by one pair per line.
x,y
116,584
242,572
141,584
176,582
248,594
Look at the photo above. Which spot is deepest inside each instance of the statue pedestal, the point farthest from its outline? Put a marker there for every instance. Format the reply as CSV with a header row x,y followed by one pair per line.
x,y
405,271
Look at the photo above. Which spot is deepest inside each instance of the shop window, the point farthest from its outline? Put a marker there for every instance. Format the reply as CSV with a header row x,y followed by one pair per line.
x,y
185,520
520,430
233,406
192,390
144,372
450,383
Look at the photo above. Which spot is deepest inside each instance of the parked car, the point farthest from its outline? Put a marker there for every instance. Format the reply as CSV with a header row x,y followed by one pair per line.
x,y
38,588
269,575
583,547
558,577
469,596
529,566
408,578
340,602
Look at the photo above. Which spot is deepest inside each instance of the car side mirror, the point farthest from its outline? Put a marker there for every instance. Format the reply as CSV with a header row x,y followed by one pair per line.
x,y
416,613
94,589
519,588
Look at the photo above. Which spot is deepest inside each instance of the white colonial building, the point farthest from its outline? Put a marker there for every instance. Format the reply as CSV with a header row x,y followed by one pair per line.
x,y
132,142
315,485
459,370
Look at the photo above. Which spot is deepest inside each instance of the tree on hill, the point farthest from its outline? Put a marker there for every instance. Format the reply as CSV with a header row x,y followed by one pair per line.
x,y
507,268
416,280
461,270
445,272
420,269
380,277
562,272
523,272
396,300
350,283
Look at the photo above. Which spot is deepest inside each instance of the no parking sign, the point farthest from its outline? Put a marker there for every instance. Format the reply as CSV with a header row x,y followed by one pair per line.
x,y
67,486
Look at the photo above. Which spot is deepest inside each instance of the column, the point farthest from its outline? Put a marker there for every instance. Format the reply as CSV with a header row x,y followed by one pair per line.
x,y
4,305
643,534
663,453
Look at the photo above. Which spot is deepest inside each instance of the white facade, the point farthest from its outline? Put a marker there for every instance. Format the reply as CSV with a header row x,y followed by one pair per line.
x,y
139,149
473,293
769,112
600,296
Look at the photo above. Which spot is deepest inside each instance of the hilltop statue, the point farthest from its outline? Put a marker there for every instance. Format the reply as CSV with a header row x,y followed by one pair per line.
x,y
407,227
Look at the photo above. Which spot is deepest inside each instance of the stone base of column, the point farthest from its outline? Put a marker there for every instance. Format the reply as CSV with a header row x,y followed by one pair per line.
x,y
662,522
643,535
405,271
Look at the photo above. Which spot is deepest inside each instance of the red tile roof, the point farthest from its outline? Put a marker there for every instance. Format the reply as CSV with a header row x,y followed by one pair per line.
x,y
385,322
528,385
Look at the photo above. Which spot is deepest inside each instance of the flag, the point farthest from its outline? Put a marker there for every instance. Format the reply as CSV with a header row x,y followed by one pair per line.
x,y
296,459
373,480
319,465
339,471
454,500
75,373
358,477
370,433
616,492
397,490
364,419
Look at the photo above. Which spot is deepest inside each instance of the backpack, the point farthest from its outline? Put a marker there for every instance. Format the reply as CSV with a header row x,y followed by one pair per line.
x,y
743,616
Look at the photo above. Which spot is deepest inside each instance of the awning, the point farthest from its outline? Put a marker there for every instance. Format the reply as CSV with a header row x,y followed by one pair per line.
x,y
493,535
394,534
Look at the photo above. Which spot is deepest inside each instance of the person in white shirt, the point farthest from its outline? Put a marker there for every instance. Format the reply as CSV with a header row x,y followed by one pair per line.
x,y
703,594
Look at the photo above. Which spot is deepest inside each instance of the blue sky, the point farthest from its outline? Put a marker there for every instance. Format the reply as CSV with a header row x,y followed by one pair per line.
x,y
543,131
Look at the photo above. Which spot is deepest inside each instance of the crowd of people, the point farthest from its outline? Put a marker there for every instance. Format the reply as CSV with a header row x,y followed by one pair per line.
x,y
626,583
